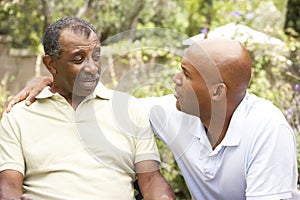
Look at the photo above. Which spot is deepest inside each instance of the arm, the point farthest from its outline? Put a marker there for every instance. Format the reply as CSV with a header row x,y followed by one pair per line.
x,y
11,184
30,92
152,184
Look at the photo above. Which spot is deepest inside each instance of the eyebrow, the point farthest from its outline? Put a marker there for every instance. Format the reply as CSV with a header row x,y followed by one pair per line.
x,y
77,51
80,51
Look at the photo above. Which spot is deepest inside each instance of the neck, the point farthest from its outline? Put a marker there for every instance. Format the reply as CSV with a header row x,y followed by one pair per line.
x,y
72,99
216,126
217,122
215,135
75,101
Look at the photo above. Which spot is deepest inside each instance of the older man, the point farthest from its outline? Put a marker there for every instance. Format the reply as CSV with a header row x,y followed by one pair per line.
x,y
73,143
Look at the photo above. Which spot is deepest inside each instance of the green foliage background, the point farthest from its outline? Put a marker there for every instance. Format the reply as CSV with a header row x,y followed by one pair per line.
x,y
276,71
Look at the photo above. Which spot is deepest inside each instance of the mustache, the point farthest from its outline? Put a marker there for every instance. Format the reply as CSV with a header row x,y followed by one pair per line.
x,y
86,76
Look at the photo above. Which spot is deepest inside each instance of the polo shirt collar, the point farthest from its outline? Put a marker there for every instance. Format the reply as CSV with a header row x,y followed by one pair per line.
x,y
103,92
100,91
235,129
45,93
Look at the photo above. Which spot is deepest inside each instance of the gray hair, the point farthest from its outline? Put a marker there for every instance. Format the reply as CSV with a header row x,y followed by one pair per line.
x,y
52,33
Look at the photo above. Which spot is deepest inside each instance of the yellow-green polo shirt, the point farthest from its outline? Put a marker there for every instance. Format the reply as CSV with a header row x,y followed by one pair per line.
x,y
84,154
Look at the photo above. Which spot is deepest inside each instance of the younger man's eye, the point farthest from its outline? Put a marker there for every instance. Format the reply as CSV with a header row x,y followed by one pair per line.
x,y
185,74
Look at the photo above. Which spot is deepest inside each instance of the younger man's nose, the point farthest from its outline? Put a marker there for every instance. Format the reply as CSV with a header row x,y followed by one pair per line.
x,y
177,78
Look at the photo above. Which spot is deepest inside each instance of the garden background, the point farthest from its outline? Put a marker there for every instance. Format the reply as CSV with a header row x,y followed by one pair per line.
x,y
142,41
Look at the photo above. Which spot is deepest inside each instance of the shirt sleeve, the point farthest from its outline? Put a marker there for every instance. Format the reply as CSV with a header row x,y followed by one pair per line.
x,y
271,170
146,148
163,101
11,156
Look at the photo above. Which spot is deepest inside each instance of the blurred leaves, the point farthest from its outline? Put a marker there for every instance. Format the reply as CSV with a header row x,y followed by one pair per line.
x,y
292,22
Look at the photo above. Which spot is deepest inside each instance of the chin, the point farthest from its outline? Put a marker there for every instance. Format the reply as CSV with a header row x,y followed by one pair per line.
x,y
83,92
187,110
178,105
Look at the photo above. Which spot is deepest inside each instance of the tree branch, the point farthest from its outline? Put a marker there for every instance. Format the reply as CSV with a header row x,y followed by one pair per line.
x,y
83,9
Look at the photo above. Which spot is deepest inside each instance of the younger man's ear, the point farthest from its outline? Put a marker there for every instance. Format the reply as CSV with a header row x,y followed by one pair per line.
x,y
50,63
219,91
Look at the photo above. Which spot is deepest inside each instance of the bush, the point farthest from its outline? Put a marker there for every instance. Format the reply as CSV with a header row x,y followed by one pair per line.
x,y
3,98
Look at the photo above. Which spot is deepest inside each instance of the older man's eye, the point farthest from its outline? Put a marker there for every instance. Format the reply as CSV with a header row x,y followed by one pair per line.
x,y
96,54
78,59
96,57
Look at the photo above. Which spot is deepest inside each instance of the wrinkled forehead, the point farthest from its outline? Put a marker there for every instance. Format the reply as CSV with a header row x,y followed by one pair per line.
x,y
71,42
78,31
78,37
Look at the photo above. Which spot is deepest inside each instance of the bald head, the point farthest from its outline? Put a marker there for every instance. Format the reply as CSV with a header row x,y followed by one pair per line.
x,y
221,60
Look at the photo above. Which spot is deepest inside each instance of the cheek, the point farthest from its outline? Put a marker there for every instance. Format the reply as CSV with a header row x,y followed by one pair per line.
x,y
68,74
191,95
99,68
71,71
198,93
191,90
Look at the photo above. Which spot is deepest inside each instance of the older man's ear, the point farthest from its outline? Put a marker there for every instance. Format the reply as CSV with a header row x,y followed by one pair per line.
x,y
50,64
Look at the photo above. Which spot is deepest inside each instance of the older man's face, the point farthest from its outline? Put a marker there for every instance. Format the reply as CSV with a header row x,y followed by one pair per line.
x,y
78,68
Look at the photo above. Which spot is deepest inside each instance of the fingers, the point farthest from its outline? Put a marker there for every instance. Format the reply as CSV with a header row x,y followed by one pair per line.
x,y
34,88
29,92
24,197
165,197
9,104
12,100
30,97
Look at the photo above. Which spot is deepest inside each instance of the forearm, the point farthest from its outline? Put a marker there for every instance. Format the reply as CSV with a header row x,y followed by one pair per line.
x,y
154,186
10,185
8,192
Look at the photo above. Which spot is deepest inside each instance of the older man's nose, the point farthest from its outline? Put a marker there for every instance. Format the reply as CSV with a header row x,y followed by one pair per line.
x,y
91,69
